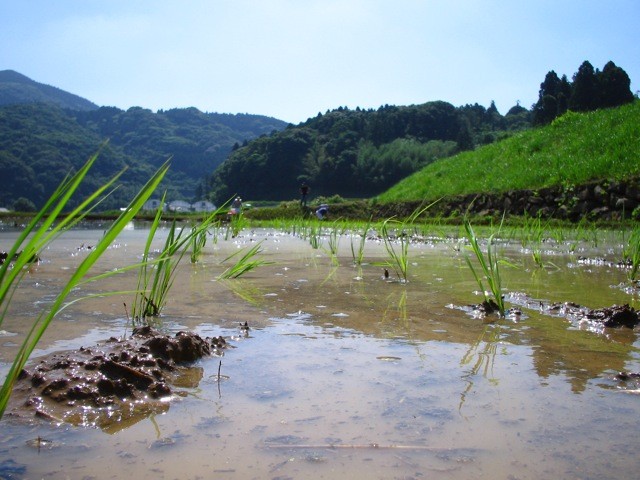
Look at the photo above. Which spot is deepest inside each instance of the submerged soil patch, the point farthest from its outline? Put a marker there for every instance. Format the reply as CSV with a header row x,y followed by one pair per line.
x,y
115,383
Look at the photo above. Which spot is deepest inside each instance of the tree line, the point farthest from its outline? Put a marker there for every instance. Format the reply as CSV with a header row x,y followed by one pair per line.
x,y
349,152
357,153
590,89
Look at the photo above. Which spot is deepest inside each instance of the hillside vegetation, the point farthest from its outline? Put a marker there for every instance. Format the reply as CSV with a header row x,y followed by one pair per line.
x,y
574,149
16,88
358,153
41,142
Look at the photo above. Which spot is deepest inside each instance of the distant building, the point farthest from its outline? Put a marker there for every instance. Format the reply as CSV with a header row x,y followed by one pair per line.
x,y
203,206
179,206
152,205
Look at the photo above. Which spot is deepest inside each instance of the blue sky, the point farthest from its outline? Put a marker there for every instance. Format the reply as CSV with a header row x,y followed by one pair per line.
x,y
291,59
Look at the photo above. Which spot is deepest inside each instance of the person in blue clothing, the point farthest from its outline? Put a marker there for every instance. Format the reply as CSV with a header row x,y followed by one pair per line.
x,y
322,211
236,206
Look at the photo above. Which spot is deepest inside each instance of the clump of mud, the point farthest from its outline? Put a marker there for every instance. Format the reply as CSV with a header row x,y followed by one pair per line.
x,y
114,384
615,316
596,320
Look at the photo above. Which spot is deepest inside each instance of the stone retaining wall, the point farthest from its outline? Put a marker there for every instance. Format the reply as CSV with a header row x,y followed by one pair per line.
x,y
601,200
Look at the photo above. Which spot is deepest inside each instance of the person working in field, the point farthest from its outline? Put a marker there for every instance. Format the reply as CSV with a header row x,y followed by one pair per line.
x,y
322,211
304,191
236,206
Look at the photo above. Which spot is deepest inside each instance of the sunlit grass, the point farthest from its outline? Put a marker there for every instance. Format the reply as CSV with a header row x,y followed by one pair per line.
x,y
572,150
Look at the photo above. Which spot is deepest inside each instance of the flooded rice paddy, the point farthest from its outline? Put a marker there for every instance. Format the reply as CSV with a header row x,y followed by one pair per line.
x,y
346,374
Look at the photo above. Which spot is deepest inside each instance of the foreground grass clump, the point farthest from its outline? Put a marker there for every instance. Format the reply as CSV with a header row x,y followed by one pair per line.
x,y
155,277
489,270
45,226
574,149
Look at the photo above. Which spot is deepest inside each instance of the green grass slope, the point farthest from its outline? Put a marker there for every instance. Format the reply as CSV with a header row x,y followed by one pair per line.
x,y
574,149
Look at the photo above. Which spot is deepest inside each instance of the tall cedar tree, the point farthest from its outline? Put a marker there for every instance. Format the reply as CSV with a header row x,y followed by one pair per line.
x,y
590,90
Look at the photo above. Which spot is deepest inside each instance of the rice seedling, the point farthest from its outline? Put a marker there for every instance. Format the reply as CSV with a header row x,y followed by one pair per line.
x,y
357,251
631,254
46,225
198,242
237,223
155,277
314,234
333,239
215,232
397,243
490,270
245,263
536,254
397,247
536,237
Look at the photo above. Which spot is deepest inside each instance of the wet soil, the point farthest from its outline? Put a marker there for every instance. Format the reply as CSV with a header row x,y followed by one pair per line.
x,y
117,380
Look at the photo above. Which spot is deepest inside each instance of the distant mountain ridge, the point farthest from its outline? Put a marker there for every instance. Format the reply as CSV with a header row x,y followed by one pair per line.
x,y
46,132
16,88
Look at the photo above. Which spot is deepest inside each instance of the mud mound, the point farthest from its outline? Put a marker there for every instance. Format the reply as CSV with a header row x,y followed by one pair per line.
x,y
115,383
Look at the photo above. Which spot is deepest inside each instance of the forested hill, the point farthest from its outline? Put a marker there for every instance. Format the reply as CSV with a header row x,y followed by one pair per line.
x,y
361,153
358,153
41,142
15,88
197,142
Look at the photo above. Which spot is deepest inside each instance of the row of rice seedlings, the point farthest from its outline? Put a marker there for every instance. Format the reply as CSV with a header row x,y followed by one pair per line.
x,y
46,225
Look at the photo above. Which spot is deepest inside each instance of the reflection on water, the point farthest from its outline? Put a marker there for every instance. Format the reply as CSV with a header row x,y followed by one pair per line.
x,y
345,374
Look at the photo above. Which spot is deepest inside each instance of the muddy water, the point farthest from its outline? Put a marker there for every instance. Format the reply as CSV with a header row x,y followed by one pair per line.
x,y
345,374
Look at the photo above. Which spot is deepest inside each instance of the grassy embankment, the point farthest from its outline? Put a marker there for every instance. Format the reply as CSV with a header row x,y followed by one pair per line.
x,y
574,149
